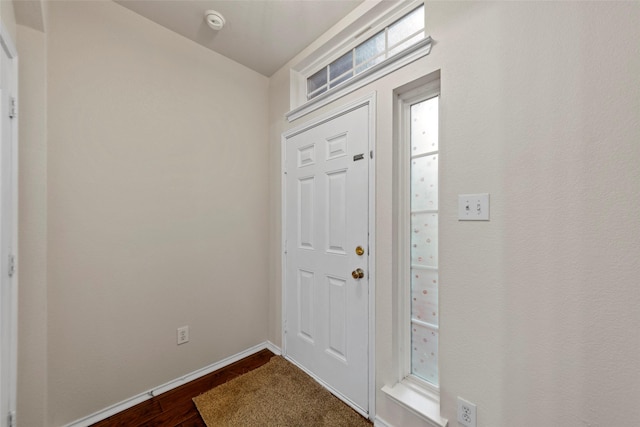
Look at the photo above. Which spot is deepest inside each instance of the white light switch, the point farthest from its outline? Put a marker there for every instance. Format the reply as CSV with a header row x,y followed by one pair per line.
x,y
473,207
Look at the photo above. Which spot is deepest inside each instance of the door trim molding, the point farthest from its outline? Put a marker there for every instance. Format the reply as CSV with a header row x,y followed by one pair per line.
x,y
9,47
370,101
7,42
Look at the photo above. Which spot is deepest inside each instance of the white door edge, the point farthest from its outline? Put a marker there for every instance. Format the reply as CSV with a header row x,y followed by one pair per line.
x,y
9,47
370,101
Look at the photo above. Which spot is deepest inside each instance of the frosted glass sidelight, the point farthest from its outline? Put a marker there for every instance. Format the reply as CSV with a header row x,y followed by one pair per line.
x,y
424,239
424,183
405,27
424,295
424,352
423,148
424,127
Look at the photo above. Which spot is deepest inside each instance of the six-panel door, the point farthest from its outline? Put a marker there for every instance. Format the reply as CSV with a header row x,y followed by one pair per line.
x,y
326,302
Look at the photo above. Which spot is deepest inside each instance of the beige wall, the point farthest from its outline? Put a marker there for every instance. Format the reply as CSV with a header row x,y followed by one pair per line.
x,y
32,229
157,190
540,107
157,200
278,104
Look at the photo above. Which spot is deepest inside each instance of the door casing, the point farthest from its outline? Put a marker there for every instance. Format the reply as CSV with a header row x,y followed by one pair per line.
x,y
370,101
9,343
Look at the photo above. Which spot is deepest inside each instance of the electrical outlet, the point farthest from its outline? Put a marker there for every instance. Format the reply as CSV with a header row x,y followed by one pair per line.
x,y
466,413
183,335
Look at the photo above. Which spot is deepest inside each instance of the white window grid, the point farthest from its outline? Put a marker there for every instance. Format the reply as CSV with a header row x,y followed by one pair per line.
x,y
424,93
355,69
416,267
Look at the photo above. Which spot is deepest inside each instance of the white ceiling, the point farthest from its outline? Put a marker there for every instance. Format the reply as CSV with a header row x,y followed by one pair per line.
x,y
260,34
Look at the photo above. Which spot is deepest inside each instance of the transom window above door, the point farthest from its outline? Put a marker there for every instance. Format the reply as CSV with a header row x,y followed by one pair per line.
x,y
382,39
391,40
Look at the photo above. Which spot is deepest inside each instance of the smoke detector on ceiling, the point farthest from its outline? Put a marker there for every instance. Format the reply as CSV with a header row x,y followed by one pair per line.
x,y
214,19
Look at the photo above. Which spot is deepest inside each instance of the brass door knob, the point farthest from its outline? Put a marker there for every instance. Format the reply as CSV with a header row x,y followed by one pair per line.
x,y
358,273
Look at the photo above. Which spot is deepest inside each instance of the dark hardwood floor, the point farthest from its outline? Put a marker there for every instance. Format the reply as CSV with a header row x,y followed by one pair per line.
x,y
175,408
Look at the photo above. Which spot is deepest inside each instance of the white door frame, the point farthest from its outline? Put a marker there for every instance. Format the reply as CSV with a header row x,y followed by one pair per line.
x,y
11,341
370,101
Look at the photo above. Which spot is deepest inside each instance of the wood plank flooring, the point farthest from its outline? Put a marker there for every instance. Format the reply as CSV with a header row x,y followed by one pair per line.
x,y
175,408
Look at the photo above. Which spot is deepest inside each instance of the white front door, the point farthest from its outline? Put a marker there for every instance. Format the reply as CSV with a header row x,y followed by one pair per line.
x,y
8,289
326,234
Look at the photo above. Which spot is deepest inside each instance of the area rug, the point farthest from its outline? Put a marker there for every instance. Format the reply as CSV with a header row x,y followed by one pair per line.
x,y
275,394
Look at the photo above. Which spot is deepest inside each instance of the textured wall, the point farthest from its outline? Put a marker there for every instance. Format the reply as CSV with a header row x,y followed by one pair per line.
x,y
157,197
539,306
157,193
540,107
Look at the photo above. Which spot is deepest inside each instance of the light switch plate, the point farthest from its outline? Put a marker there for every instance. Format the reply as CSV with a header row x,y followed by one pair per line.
x,y
473,207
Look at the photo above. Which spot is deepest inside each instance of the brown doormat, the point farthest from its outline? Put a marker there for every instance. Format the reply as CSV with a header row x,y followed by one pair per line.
x,y
276,394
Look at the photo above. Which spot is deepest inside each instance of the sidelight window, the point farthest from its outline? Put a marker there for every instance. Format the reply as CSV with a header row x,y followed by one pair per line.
x,y
416,210
423,228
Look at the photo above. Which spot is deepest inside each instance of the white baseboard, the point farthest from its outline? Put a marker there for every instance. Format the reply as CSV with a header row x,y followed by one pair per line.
x,y
132,401
273,348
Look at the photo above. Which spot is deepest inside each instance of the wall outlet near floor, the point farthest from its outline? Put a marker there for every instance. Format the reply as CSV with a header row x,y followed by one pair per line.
x,y
466,413
183,335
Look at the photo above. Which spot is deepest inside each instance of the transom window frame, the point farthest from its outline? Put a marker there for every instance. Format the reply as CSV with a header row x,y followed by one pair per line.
x,y
369,23
352,62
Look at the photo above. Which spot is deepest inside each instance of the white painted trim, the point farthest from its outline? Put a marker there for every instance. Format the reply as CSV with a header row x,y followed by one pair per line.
x,y
370,101
368,23
10,49
7,42
417,396
414,52
273,348
373,114
404,100
342,110
132,401
401,252
422,403
14,241
366,20
283,237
